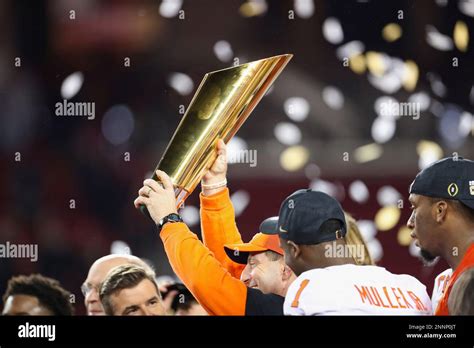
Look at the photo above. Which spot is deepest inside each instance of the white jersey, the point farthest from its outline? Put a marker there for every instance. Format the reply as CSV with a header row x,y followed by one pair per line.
x,y
440,284
356,290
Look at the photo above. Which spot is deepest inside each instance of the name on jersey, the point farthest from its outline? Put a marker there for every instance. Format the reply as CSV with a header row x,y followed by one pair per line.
x,y
388,297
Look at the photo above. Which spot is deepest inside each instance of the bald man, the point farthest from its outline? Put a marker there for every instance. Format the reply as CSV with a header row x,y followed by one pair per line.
x,y
97,274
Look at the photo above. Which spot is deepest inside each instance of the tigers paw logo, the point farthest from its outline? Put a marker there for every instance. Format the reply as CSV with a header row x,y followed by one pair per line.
x,y
453,189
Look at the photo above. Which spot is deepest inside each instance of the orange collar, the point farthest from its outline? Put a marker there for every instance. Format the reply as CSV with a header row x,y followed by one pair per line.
x,y
466,262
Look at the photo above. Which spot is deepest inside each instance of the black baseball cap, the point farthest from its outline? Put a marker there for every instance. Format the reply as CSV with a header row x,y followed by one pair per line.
x,y
269,226
301,216
450,178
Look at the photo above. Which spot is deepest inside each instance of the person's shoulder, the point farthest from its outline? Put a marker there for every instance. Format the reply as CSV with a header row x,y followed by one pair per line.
x,y
312,272
349,270
326,271
446,273
442,278
404,278
322,278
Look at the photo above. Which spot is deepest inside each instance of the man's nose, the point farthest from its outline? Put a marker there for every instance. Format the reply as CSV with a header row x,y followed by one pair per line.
x,y
245,276
147,311
92,296
410,223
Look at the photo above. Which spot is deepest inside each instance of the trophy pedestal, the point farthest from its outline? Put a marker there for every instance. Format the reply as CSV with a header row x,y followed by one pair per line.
x,y
181,195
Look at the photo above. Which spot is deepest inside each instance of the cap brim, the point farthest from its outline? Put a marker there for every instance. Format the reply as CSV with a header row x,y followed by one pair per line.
x,y
469,203
270,225
239,253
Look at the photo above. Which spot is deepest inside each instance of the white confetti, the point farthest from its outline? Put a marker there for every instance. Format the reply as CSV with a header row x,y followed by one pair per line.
x,y
350,49
181,83
72,85
223,51
304,8
240,200
383,129
358,191
466,7
287,133
170,8
296,108
333,97
437,40
332,30
190,215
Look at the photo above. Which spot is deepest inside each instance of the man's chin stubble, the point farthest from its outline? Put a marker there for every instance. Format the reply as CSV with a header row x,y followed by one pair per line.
x,y
427,258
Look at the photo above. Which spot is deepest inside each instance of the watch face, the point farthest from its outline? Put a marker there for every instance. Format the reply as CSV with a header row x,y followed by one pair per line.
x,y
170,218
174,217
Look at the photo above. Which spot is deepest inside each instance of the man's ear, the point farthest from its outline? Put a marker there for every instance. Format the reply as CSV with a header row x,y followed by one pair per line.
x,y
294,249
440,211
286,272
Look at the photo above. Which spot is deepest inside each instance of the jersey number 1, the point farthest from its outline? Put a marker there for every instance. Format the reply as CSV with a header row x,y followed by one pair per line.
x,y
295,302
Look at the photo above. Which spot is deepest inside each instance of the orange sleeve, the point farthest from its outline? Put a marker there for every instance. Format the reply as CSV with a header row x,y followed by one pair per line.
x,y
218,228
211,284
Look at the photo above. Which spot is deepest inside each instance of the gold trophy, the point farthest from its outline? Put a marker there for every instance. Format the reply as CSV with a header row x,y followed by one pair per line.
x,y
224,100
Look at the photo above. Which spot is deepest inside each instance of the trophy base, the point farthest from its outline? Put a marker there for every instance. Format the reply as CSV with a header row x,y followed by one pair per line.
x,y
181,194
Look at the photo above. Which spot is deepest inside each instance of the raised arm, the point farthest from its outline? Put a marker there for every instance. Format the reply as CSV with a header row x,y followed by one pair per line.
x,y
211,284
217,213
218,228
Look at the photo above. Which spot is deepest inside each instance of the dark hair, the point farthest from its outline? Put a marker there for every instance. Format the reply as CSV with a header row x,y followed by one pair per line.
x,y
48,291
183,299
123,277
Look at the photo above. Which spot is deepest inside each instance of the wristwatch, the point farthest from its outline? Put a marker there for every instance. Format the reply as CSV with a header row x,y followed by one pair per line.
x,y
173,217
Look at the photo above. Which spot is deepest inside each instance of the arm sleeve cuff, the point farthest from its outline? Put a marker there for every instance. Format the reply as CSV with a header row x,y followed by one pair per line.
x,y
216,201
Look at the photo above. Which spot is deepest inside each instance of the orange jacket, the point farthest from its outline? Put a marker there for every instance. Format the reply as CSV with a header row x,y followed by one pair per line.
x,y
212,278
218,228
466,262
